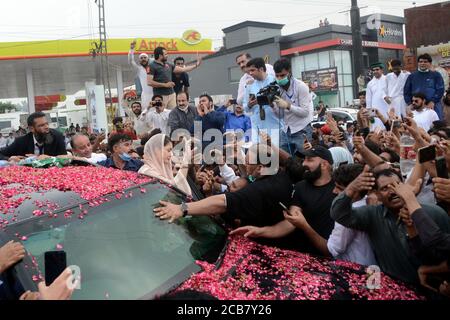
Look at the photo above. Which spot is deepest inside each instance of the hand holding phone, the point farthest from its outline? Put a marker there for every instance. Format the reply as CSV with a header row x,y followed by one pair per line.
x,y
427,154
284,208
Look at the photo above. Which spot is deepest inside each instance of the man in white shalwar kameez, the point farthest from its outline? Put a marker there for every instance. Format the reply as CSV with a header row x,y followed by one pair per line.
x,y
395,82
376,91
141,70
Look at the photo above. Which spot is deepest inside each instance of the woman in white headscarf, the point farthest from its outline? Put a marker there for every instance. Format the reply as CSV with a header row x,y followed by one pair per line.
x,y
158,163
340,156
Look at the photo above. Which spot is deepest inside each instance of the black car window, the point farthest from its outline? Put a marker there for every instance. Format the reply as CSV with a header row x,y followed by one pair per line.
x,y
122,249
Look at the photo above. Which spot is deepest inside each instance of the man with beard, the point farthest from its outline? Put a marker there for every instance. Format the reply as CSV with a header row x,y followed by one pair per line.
x,y
182,117
388,236
423,116
40,141
255,204
309,212
242,59
141,125
141,70
395,82
160,76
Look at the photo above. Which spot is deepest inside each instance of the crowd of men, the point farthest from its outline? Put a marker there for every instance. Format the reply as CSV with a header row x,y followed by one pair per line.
x,y
333,189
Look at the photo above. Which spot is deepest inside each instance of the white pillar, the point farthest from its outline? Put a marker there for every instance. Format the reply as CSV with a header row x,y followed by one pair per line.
x,y
30,87
120,90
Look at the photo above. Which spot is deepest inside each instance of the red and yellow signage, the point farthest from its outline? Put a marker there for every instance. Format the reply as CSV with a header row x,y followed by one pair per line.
x,y
190,42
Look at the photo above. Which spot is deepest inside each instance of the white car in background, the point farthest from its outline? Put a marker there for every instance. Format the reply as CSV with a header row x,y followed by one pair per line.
x,y
347,115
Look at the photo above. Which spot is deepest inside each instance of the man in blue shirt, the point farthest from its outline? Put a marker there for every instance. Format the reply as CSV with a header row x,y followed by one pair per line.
x,y
263,118
237,120
120,147
208,118
426,81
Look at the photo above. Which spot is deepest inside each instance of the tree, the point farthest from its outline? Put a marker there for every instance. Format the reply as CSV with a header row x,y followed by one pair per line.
x,y
7,106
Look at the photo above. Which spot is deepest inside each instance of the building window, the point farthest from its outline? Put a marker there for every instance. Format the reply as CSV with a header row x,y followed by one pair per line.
x,y
298,66
324,59
311,61
235,74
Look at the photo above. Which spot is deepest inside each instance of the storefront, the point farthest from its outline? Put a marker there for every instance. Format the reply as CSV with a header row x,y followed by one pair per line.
x,y
330,48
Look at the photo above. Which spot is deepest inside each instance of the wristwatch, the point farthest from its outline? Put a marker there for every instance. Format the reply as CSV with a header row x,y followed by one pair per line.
x,y
184,209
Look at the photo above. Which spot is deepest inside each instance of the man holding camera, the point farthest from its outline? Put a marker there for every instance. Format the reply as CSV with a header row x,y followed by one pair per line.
x,y
157,116
263,117
296,107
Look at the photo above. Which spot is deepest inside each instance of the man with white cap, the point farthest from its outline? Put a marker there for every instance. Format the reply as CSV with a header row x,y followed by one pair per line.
x,y
141,69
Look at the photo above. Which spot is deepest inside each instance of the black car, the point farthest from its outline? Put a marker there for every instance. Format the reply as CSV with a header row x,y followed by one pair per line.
x,y
121,249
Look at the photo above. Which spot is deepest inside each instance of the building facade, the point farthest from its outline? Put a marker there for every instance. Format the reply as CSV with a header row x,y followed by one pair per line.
x,y
322,57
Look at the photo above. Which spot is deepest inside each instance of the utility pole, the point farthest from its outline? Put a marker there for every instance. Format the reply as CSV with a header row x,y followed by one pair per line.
x,y
101,52
357,44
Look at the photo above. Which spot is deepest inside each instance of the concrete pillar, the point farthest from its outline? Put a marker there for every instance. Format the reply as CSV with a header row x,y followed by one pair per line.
x,y
30,87
120,89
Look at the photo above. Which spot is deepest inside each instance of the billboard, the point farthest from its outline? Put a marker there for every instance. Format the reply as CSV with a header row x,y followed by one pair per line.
x,y
321,80
96,106
191,41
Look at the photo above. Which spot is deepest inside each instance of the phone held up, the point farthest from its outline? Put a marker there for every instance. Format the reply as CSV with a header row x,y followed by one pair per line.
x,y
55,264
427,154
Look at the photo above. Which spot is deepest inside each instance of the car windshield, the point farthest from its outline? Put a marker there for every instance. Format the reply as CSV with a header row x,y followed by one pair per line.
x,y
124,251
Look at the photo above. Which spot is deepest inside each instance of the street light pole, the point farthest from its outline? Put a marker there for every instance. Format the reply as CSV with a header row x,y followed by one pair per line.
x,y
357,45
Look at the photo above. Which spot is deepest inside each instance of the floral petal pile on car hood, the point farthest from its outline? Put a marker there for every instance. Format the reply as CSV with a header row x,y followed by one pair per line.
x,y
89,182
251,271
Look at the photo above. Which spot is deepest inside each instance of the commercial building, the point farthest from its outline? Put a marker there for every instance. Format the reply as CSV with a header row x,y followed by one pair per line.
x,y
428,31
321,56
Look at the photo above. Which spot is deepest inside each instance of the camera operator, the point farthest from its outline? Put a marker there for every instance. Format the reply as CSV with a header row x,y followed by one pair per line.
x,y
296,106
157,116
263,117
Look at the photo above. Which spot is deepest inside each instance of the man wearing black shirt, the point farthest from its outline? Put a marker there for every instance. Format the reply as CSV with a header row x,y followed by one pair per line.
x,y
181,80
257,203
309,212
160,76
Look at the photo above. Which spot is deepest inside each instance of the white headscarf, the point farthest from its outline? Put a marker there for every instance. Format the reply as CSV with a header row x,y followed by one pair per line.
x,y
340,155
155,166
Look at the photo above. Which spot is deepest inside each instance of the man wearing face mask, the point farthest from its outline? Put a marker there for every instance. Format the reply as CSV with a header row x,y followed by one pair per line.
x,y
141,70
296,105
428,82
120,146
41,141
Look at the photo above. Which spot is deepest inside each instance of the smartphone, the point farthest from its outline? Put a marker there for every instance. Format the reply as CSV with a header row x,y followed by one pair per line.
x,y
55,264
372,112
441,168
284,207
395,124
427,154
251,97
233,101
305,138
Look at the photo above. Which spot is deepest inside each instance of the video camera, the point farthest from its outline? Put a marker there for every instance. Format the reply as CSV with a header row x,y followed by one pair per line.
x,y
266,95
